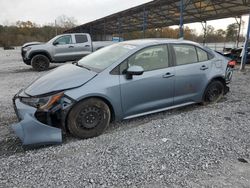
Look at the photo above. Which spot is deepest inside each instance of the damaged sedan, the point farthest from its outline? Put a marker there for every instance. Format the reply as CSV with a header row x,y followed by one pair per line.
x,y
121,81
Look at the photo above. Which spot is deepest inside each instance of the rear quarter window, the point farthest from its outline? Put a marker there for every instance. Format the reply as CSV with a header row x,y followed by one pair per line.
x,y
210,53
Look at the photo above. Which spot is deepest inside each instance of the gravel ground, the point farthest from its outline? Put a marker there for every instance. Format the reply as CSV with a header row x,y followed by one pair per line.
x,y
194,146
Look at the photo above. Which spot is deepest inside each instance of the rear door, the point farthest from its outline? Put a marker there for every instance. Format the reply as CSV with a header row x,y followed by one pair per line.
x,y
154,89
82,45
191,72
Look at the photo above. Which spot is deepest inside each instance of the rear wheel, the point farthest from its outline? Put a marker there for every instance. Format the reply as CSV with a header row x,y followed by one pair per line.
x,y
214,92
40,62
89,118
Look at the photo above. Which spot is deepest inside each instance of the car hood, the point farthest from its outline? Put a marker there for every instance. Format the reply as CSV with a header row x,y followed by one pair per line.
x,y
64,77
31,44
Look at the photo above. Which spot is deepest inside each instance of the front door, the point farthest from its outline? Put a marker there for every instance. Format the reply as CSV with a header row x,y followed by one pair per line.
x,y
64,49
152,90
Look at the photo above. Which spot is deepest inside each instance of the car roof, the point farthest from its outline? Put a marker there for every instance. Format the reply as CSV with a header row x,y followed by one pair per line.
x,y
146,42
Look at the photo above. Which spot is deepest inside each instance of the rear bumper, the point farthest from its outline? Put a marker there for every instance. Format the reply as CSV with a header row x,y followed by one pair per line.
x,y
227,89
30,130
228,75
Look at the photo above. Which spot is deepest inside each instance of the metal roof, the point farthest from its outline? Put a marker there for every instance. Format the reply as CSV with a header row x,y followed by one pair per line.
x,y
163,13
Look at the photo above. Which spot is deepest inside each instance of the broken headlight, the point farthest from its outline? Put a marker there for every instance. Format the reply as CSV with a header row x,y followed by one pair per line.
x,y
42,103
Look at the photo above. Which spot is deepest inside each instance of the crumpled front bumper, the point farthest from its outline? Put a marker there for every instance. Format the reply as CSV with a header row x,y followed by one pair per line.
x,y
26,60
30,130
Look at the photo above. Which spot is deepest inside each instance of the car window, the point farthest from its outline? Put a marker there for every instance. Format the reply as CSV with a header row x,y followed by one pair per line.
x,y
185,54
123,67
64,40
151,58
209,52
202,55
81,38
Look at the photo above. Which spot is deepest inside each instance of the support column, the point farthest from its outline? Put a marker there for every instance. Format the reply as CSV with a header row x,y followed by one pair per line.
x,y
181,34
104,29
119,28
244,54
90,31
144,25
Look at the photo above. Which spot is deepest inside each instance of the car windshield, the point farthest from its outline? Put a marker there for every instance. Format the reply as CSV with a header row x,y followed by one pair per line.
x,y
103,58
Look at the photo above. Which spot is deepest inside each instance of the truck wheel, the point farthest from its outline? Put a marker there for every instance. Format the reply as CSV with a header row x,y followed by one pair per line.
x,y
89,118
40,62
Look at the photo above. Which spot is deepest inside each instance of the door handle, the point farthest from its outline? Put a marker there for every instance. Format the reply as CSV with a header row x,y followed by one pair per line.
x,y
87,46
203,67
71,46
168,75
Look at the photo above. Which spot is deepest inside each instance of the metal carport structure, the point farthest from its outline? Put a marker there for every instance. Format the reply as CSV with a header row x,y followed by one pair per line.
x,y
163,13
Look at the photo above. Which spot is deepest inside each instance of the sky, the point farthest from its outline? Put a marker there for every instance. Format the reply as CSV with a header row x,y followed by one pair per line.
x,y
46,11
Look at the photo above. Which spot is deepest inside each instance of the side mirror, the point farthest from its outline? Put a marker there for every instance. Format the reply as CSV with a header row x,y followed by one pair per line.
x,y
55,43
134,70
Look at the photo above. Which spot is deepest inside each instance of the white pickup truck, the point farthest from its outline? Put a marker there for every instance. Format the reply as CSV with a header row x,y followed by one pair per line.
x,y
60,49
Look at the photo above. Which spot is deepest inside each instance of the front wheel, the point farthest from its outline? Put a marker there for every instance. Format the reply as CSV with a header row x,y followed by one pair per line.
x,y
89,118
214,92
40,62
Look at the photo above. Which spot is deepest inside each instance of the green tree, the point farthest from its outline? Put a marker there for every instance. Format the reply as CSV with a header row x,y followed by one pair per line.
x,y
220,33
232,30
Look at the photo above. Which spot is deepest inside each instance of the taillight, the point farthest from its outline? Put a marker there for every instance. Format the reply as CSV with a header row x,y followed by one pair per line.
x,y
231,63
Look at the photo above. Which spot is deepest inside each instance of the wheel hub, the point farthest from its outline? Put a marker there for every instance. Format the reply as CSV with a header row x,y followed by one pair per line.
x,y
40,62
89,117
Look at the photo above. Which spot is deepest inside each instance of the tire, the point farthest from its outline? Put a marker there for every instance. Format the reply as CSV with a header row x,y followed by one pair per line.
x,y
214,92
40,62
88,118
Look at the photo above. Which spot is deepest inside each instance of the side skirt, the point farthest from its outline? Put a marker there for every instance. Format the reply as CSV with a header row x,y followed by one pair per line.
x,y
159,110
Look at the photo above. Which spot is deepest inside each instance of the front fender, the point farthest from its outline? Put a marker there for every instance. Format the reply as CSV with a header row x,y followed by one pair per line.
x,y
111,97
36,52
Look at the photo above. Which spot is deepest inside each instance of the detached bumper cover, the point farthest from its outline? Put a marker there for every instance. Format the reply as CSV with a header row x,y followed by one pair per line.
x,y
30,130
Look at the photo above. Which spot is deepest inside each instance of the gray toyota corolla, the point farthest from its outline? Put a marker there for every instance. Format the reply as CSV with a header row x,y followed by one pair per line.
x,y
121,81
